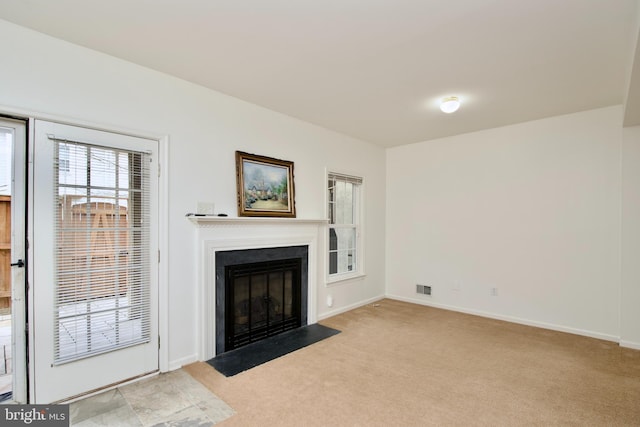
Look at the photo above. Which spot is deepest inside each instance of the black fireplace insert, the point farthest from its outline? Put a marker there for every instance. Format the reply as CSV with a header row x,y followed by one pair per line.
x,y
259,293
263,299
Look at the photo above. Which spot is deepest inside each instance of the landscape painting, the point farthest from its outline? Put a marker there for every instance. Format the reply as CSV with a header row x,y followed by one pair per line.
x,y
265,186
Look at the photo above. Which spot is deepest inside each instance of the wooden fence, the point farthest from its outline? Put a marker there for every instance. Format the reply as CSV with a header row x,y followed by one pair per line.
x,y
5,254
94,250
93,245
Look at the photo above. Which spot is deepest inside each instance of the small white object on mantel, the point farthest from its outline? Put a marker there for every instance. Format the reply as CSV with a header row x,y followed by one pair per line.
x,y
206,208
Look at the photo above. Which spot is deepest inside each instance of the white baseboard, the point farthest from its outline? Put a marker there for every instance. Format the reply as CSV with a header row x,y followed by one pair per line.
x,y
179,363
349,307
630,344
512,319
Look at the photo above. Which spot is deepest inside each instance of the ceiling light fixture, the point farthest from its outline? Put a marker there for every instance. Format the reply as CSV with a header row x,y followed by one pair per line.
x,y
450,104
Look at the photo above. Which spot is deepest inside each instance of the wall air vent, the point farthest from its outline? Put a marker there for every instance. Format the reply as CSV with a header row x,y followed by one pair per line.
x,y
423,289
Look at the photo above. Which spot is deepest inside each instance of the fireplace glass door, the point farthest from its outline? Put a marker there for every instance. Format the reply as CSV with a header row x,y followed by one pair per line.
x,y
263,299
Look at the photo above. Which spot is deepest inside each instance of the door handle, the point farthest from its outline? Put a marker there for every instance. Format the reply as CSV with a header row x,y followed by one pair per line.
x,y
20,263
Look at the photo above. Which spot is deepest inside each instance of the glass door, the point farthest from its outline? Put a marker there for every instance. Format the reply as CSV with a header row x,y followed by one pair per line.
x,y
13,358
95,284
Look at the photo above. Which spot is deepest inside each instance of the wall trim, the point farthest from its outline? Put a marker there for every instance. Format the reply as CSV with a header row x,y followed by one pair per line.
x,y
164,307
23,113
350,307
512,319
630,344
183,361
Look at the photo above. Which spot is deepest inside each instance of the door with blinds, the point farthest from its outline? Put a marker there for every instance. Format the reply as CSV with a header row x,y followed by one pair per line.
x,y
95,260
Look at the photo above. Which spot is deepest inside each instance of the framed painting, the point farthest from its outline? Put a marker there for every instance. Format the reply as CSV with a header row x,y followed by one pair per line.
x,y
265,186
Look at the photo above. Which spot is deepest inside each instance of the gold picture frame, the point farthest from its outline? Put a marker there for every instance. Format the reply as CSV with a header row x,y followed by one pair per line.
x,y
265,186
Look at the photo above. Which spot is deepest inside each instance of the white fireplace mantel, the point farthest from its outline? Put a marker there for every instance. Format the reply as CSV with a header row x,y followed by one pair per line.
x,y
216,233
216,221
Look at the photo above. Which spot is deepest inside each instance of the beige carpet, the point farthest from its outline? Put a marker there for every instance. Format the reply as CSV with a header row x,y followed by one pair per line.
x,y
400,364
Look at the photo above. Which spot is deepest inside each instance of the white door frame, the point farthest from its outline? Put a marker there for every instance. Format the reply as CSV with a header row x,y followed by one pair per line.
x,y
163,238
18,251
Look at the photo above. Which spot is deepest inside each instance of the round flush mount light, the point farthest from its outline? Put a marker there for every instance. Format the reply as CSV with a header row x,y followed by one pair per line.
x,y
450,104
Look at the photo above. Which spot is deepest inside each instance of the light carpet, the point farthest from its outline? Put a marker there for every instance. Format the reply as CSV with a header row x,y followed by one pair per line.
x,y
401,364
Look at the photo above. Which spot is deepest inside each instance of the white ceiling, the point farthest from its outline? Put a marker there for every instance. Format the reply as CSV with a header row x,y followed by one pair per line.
x,y
372,69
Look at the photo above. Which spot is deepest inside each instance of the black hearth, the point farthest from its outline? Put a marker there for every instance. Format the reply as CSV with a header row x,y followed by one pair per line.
x,y
259,293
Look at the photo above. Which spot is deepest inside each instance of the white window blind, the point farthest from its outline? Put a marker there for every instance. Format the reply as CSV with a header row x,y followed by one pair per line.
x,y
102,277
6,154
344,224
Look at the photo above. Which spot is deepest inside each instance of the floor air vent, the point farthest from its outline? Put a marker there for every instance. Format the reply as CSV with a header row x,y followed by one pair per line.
x,y
423,289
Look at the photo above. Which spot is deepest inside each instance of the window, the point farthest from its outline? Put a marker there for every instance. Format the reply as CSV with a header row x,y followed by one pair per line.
x,y
345,254
102,234
6,154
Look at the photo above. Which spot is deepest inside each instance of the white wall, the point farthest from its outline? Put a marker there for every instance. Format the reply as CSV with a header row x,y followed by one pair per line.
x,y
43,75
531,209
630,306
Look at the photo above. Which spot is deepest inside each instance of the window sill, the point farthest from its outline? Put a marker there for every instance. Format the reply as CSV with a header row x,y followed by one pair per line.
x,y
344,278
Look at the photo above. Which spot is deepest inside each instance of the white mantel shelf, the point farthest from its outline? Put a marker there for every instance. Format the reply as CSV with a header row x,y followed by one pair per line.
x,y
210,221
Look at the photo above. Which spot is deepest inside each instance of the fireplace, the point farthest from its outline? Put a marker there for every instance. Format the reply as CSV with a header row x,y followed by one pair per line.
x,y
227,235
259,293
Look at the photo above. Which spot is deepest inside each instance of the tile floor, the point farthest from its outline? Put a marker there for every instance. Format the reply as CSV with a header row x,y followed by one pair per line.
x,y
173,399
5,354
